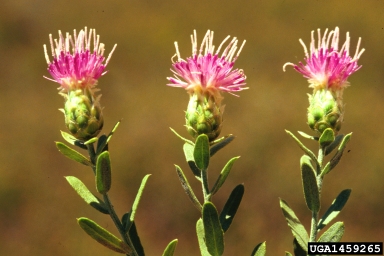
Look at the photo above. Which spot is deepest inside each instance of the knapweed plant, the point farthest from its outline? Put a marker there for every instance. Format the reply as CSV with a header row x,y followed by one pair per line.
x,y
205,75
78,62
327,69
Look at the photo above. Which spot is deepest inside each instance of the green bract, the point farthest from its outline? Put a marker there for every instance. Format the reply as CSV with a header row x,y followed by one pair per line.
x,y
83,114
203,116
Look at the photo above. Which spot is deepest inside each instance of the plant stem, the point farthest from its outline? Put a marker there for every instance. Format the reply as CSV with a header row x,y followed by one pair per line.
x,y
118,224
111,210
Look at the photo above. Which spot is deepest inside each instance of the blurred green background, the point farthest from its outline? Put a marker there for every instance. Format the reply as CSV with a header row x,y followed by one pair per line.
x,y
38,207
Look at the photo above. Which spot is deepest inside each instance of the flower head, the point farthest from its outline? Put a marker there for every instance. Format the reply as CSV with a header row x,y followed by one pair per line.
x,y
327,67
204,75
74,65
77,69
207,72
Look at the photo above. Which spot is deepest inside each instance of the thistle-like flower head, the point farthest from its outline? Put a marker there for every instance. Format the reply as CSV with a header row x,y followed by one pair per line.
x,y
207,72
326,66
74,65
77,69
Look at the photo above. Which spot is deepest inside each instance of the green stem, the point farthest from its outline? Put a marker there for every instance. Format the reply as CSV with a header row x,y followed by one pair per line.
x,y
118,224
111,210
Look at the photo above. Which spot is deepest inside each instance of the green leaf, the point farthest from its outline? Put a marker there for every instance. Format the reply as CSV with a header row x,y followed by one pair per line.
x,y
188,152
72,154
103,173
187,188
170,250
307,136
201,238
335,208
125,222
326,170
103,236
130,228
336,158
294,223
138,196
181,137
220,143
72,140
231,206
305,149
334,144
311,191
214,236
334,233
223,175
288,254
135,239
102,144
87,196
113,131
90,141
326,138
201,152
297,250
260,249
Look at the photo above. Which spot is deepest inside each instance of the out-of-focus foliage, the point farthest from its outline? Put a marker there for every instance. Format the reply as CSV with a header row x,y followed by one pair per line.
x,y
38,208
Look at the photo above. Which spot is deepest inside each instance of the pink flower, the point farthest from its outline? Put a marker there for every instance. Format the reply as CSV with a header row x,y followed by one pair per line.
x,y
327,67
206,71
74,66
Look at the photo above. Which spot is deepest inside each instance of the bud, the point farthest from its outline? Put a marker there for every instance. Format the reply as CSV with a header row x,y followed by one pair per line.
x,y
77,71
204,116
327,70
83,115
205,75
324,112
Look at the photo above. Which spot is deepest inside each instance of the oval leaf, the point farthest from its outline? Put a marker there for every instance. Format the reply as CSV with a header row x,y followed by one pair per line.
x,y
201,238
72,140
135,239
260,249
334,144
326,138
170,250
305,149
334,233
201,152
103,236
73,154
311,191
188,152
138,197
231,206
84,193
220,143
297,250
101,144
214,236
294,223
223,175
187,188
130,228
103,173
336,158
335,208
